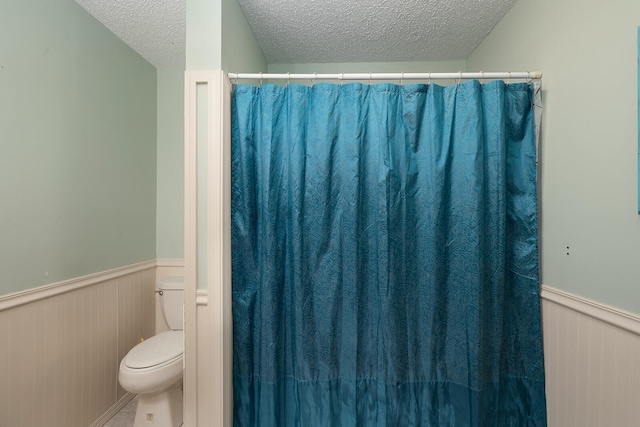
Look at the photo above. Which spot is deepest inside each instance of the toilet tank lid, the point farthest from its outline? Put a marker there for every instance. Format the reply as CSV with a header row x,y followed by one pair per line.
x,y
156,350
173,282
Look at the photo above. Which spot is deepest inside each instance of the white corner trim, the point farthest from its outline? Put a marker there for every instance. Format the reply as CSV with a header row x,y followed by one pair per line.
x,y
611,315
30,295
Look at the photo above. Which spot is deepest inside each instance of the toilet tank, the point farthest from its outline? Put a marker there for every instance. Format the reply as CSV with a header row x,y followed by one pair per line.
x,y
171,290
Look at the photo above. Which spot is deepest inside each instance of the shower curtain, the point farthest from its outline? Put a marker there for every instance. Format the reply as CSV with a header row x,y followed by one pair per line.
x,y
385,256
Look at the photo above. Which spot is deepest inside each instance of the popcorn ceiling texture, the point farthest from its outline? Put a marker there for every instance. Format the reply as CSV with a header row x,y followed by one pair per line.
x,y
156,29
316,31
294,31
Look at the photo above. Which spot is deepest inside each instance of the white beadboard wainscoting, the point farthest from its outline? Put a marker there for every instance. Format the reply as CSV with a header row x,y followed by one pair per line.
x,y
592,361
61,345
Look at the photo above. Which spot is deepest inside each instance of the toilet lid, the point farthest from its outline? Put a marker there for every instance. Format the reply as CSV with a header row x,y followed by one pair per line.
x,y
156,350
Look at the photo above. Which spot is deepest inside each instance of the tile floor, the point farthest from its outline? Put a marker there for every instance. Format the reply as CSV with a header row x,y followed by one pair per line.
x,y
126,416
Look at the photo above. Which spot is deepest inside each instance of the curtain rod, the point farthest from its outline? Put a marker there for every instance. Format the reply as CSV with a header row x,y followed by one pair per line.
x,y
529,75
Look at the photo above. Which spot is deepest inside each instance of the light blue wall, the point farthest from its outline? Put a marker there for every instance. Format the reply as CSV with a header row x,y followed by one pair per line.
x,y
374,67
370,67
219,37
240,50
170,148
588,52
204,35
77,137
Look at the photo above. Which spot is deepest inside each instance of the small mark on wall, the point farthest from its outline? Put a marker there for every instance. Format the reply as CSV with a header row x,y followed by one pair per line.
x,y
567,250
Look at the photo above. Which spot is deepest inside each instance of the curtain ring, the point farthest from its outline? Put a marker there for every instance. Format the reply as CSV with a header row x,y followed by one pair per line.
x,y
369,78
509,78
260,78
288,78
429,73
402,78
313,80
341,77
459,77
481,77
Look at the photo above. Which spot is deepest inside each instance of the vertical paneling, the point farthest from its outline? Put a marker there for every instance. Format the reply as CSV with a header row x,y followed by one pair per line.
x,y
622,369
136,312
581,366
550,337
593,379
59,356
4,368
14,346
46,355
28,371
203,384
634,377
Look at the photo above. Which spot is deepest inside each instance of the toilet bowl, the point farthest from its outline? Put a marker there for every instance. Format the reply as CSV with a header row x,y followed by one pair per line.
x,y
154,364
153,368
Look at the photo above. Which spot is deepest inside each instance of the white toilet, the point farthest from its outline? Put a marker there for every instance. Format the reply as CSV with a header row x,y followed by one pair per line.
x,y
153,368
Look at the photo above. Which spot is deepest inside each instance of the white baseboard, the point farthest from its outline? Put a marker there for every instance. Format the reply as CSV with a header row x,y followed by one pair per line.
x,y
113,410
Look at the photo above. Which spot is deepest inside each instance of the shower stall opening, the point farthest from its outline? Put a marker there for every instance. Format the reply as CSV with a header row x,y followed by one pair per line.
x,y
377,251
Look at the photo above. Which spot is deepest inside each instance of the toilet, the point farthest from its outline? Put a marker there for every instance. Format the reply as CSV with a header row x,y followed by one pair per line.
x,y
153,368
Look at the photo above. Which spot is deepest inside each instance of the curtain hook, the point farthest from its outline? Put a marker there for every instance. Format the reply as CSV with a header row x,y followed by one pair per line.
x,y
260,78
402,78
429,73
313,80
236,79
459,77
509,77
288,78
341,77
481,77
369,78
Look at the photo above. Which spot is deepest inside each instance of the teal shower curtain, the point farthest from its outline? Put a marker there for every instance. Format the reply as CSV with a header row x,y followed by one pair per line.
x,y
385,256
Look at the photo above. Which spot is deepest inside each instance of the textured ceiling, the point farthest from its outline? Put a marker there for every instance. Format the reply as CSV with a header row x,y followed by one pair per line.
x,y
156,29
294,31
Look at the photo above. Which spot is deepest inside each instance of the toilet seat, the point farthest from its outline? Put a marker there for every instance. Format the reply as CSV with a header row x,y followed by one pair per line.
x,y
154,364
155,351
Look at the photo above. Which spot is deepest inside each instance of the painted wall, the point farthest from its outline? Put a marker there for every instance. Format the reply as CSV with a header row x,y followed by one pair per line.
x,y
588,53
240,50
170,172
374,67
204,35
77,136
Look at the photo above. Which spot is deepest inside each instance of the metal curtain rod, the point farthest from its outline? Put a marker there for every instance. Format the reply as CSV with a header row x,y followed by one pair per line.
x,y
529,75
